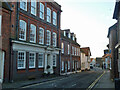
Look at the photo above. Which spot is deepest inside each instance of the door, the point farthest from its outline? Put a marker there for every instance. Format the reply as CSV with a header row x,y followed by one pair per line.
x,y
65,67
2,56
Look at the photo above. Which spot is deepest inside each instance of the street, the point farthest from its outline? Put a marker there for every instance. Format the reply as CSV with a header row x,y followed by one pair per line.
x,y
78,80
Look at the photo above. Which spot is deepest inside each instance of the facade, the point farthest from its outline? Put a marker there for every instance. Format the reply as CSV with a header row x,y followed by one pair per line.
x,y
106,59
99,61
113,37
5,13
85,58
70,52
116,46
34,40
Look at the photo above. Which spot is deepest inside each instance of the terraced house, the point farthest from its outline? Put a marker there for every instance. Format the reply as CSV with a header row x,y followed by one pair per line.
x,y
70,52
34,40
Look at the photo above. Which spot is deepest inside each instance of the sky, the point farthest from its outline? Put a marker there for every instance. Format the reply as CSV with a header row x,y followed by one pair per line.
x,y
89,20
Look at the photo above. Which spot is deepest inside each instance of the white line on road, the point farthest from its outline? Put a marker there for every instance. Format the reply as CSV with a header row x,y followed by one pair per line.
x,y
73,85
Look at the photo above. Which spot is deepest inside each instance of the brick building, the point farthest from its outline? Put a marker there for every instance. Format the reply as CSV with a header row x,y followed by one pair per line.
x,y
33,40
5,17
70,52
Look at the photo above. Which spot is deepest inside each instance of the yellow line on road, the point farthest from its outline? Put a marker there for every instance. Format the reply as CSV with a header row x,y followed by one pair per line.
x,y
93,84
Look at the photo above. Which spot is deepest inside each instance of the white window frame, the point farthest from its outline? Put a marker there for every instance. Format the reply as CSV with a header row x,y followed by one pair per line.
x,y
54,60
34,32
41,36
48,41
62,47
23,4
48,15
68,49
34,7
54,39
54,18
62,65
41,11
34,59
21,26
0,25
68,65
24,63
42,60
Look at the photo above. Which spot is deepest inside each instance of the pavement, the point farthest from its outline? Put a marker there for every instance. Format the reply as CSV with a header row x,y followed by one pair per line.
x,y
105,81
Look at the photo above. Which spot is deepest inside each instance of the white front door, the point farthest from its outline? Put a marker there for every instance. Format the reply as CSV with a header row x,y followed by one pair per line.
x,y
2,56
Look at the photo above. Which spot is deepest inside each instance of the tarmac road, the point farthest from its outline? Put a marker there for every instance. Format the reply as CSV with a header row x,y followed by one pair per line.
x,y
79,80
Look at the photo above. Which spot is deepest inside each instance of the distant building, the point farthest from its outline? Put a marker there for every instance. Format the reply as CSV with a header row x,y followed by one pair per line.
x,y
99,61
92,62
85,58
70,52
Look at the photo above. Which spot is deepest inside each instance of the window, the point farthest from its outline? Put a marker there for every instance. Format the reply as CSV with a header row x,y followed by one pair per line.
x,y
54,60
41,11
23,4
0,25
21,60
75,50
48,15
54,39
33,7
48,37
22,30
41,36
68,49
31,60
72,50
68,65
62,65
54,18
40,60
73,64
32,33
62,47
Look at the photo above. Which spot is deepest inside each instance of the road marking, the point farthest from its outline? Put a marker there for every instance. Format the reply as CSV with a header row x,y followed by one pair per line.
x,y
93,84
73,85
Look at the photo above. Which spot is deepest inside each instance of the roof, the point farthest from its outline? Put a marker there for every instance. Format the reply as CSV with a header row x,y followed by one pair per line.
x,y
86,50
68,39
116,10
113,27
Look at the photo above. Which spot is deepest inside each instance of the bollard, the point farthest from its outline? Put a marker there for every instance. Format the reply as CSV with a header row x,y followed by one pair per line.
x,y
117,84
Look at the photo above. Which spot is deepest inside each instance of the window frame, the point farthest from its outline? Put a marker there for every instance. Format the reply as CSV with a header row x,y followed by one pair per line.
x,y
34,60
62,47
54,18
42,36
25,29
68,49
35,7
34,33
24,63
54,39
24,1
48,15
48,38
42,60
42,11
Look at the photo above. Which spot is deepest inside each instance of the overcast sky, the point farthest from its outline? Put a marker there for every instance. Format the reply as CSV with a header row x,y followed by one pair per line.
x,y
89,20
